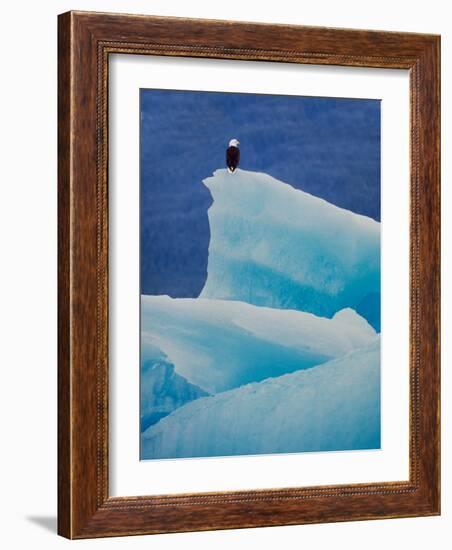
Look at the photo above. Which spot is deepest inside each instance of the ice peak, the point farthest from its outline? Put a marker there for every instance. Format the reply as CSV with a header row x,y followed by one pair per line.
x,y
349,316
276,246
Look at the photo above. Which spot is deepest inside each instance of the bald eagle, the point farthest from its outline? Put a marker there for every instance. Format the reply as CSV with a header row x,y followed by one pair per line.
x,y
233,155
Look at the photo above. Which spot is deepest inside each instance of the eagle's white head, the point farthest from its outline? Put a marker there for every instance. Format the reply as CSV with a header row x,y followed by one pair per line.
x,y
234,143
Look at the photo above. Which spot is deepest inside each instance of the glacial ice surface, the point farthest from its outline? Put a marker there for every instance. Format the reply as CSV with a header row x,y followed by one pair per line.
x,y
333,406
274,245
162,390
280,353
218,345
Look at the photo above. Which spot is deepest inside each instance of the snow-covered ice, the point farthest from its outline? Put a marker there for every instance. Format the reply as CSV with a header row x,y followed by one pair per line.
x,y
218,344
274,245
334,406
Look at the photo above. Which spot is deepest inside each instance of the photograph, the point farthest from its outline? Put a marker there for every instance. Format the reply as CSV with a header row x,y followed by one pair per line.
x,y
259,274
224,237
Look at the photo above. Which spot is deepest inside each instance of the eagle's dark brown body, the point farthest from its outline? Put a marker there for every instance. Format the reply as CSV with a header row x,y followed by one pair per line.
x,y
232,157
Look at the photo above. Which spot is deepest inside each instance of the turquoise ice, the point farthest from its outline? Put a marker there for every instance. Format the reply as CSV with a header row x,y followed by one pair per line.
x,y
217,345
276,246
334,406
162,390
280,353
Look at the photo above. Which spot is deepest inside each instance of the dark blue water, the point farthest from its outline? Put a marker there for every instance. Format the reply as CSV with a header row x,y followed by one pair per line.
x,y
327,147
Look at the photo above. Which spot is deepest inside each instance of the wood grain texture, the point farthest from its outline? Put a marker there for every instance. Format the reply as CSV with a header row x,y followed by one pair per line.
x,y
64,295
85,42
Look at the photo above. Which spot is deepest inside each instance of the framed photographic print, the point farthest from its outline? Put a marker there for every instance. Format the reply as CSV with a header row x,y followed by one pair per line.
x,y
248,275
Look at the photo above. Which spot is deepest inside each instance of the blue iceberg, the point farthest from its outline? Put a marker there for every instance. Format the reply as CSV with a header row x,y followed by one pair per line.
x,y
162,390
334,406
276,246
217,345
280,353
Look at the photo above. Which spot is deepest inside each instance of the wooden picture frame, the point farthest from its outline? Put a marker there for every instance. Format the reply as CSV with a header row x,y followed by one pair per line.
x,y
85,508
